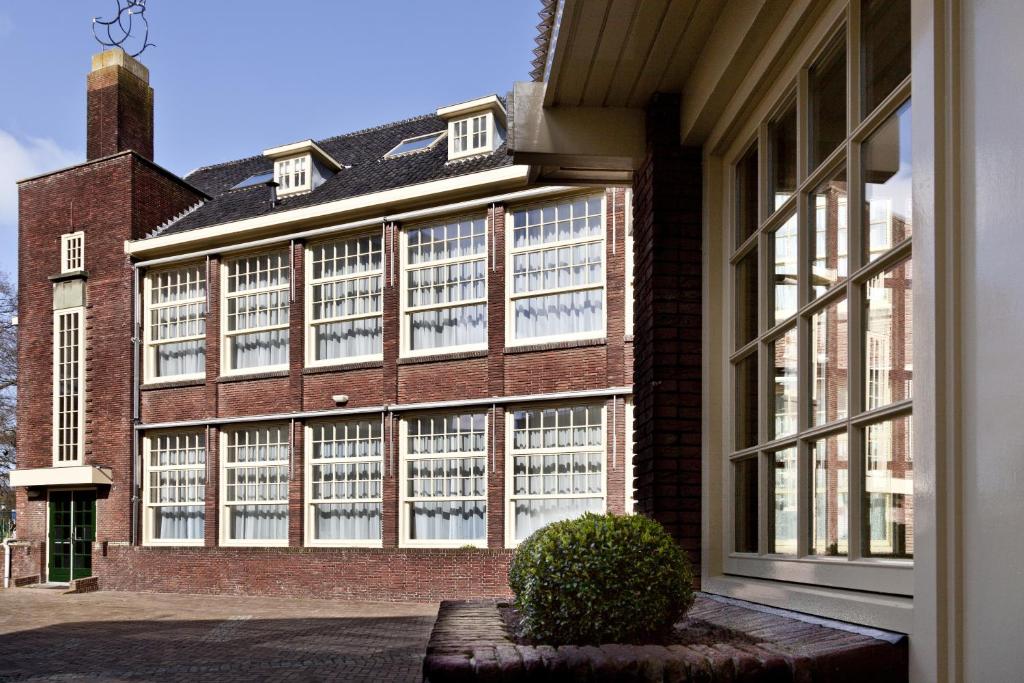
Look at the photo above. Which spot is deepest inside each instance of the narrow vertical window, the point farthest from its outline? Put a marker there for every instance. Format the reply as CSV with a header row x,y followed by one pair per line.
x,y
175,484
557,466
479,132
460,137
446,286
345,463
444,480
255,469
256,312
72,252
68,386
557,264
176,323
345,286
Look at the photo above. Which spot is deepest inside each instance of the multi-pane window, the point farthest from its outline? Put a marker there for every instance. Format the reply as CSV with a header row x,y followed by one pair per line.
x,y
254,485
557,271
175,484
556,466
346,279
256,305
68,385
446,286
72,252
822,320
292,175
176,323
344,482
444,480
469,135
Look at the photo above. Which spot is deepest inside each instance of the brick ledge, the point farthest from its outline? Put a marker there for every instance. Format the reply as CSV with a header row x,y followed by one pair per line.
x,y
442,357
155,386
554,346
227,379
342,367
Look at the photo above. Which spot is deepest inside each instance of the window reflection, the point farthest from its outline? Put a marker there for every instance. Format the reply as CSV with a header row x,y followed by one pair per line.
x,y
830,493
784,384
784,520
888,337
889,489
888,214
829,365
829,248
783,156
784,248
885,42
828,104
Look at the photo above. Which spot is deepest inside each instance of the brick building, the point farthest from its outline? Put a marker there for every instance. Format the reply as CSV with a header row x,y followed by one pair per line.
x,y
382,357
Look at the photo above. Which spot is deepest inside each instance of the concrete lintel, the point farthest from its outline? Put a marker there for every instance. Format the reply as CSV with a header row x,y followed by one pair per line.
x,y
76,475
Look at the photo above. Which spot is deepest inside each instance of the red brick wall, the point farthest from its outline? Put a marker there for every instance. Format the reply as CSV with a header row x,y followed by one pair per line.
x,y
119,113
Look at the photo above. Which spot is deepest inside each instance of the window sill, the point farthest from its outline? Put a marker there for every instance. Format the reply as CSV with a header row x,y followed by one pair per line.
x,y
441,357
276,374
176,384
342,367
628,339
555,346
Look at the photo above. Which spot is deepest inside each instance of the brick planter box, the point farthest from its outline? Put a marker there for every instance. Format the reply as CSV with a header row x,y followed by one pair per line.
x,y
471,642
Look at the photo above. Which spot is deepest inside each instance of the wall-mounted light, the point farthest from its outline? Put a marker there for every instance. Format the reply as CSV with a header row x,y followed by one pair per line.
x,y
340,399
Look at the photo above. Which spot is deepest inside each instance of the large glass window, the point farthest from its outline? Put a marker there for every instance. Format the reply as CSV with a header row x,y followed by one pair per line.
x,y
444,480
446,286
557,466
175,488
254,479
256,304
346,277
176,323
344,482
68,386
821,464
557,271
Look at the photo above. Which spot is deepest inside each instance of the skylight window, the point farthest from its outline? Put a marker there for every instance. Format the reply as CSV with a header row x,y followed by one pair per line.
x,y
415,144
257,179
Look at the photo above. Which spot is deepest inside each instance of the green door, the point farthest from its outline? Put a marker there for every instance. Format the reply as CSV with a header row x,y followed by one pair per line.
x,y
72,531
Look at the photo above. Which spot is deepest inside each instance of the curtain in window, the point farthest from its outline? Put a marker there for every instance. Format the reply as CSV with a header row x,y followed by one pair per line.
x,y
181,358
448,520
449,327
348,521
348,339
565,313
259,349
178,522
531,515
259,522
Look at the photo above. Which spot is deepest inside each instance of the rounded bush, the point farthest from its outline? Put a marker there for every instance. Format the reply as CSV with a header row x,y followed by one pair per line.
x,y
600,579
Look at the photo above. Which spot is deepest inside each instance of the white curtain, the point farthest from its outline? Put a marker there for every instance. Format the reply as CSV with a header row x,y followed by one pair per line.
x,y
455,326
534,514
348,339
565,313
259,349
461,520
178,522
181,358
347,521
259,522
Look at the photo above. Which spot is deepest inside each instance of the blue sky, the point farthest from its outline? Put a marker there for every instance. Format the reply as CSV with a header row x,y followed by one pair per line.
x,y
234,77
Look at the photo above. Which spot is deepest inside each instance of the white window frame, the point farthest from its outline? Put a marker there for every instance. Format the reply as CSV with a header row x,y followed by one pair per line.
x,y
511,296
224,506
454,136
225,336
511,452
149,507
72,252
151,345
310,522
294,174
311,324
79,445
405,501
407,311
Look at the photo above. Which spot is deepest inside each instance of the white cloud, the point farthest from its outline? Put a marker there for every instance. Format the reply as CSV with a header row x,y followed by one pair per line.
x,y
23,158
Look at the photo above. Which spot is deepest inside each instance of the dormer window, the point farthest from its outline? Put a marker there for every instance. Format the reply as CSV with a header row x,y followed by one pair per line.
x,y
417,144
301,167
475,127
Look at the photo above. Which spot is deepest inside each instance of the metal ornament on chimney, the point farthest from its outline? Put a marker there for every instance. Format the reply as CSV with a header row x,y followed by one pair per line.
x,y
119,29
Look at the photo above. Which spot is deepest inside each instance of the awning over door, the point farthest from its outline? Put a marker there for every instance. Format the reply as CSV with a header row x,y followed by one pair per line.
x,y
77,475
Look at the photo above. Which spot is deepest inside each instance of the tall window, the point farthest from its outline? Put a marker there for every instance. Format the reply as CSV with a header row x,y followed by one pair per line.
x,y
345,301
72,252
821,361
557,272
176,323
556,468
444,480
344,482
256,305
68,386
175,488
254,485
446,286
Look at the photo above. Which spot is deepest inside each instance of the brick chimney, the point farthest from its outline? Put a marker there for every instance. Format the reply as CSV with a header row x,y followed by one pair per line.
x,y
120,106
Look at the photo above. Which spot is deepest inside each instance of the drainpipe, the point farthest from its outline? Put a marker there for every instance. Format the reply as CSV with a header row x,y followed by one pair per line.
x,y
134,468
7,562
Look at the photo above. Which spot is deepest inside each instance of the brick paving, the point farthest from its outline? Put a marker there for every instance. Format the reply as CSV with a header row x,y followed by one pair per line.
x,y
115,636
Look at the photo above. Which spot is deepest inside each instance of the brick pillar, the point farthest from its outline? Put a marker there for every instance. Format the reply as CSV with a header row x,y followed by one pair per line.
x,y
496,478
212,526
615,274
296,360
296,507
496,299
212,335
667,335
389,392
119,106
615,436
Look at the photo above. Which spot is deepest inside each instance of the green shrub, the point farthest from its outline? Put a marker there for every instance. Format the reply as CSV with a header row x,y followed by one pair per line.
x,y
600,579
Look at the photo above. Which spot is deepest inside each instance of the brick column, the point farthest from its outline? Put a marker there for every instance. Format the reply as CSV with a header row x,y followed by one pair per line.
x,y
296,508
667,335
212,335
212,526
496,478
296,361
496,299
389,391
615,274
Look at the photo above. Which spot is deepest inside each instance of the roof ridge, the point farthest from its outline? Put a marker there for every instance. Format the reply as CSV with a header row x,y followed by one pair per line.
x,y
380,127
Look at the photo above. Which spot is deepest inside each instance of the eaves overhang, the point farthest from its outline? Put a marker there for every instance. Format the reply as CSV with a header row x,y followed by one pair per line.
x,y
74,475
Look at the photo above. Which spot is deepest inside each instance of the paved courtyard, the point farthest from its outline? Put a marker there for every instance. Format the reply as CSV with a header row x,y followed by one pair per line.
x,y
48,636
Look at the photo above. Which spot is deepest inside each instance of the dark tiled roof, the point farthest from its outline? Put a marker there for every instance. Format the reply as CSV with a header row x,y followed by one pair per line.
x,y
370,172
